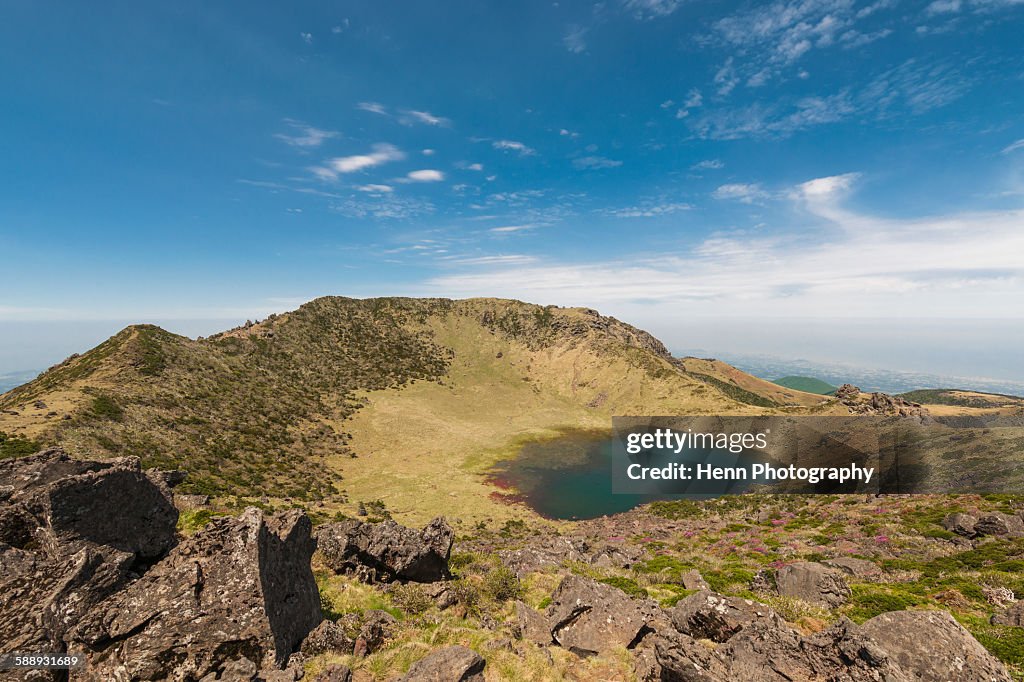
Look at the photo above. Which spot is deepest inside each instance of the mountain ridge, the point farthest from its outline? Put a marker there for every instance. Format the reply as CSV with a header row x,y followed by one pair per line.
x,y
273,404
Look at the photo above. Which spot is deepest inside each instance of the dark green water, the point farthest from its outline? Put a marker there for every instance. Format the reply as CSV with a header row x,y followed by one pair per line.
x,y
567,478
570,477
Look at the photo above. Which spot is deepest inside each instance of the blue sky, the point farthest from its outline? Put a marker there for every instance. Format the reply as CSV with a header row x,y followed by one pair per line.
x,y
661,160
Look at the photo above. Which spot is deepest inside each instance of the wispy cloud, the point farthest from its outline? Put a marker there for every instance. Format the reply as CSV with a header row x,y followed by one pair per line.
x,y
373,108
575,39
513,146
1014,146
508,229
651,9
381,154
375,189
385,206
307,38
708,164
649,210
305,136
747,193
415,116
425,175
595,162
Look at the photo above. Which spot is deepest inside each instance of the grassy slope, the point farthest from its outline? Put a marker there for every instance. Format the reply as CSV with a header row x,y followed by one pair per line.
x,y
807,385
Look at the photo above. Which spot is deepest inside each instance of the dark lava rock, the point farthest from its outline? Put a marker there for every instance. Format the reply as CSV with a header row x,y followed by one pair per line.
x,y
387,551
707,615
72,533
62,506
531,625
450,664
1012,616
239,590
999,524
588,617
812,583
961,524
328,637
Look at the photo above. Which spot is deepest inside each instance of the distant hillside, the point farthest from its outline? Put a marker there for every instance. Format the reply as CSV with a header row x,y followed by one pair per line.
x,y
387,397
806,384
957,397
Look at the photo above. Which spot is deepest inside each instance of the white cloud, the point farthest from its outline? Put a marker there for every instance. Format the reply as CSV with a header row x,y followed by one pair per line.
x,y
373,108
506,229
944,7
650,9
652,210
1019,144
725,78
414,116
426,175
575,39
307,38
513,146
746,193
375,189
428,152
850,264
694,99
512,259
475,167
708,164
564,132
305,135
340,27
594,162
382,153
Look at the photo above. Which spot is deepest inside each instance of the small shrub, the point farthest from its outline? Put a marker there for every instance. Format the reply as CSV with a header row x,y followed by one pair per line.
x,y
105,407
466,593
411,598
502,584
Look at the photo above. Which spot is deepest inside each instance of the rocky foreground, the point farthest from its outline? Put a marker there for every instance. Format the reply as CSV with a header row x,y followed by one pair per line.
x,y
91,562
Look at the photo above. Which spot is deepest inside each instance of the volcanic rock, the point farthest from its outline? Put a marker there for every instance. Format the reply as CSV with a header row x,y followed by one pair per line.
x,y
589,617
813,583
707,615
241,588
387,551
450,664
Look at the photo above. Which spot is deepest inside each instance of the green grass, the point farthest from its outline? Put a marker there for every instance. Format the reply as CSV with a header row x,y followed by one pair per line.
x,y
17,446
806,384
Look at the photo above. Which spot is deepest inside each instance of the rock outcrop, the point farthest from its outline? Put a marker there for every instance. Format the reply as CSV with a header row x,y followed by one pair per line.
x,y
707,615
902,646
812,583
238,595
72,533
450,664
879,404
588,617
386,551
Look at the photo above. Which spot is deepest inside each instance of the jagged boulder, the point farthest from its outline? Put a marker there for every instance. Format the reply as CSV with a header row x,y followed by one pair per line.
x,y
588,618
532,625
813,583
450,664
961,524
238,594
60,506
328,637
1000,524
72,533
387,551
931,645
707,615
